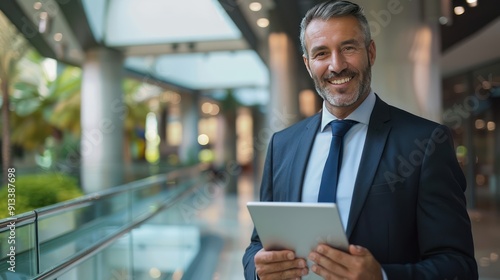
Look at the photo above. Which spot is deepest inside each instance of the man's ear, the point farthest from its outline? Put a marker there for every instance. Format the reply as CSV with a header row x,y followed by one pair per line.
x,y
306,62
372,52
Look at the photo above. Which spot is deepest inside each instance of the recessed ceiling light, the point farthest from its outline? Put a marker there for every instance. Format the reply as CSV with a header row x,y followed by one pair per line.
x,y
37,5
58,37
255,6
263,22
459,10
472,3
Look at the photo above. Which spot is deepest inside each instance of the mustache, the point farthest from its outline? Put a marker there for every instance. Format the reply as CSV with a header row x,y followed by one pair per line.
x,y
346,73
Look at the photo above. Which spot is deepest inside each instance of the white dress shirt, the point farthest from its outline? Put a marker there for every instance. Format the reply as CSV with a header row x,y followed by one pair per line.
x,y
354,141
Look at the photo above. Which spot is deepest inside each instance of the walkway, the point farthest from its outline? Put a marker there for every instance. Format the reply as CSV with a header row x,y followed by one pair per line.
x,y
227,216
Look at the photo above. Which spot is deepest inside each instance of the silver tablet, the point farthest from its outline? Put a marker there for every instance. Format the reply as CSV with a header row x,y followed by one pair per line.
x,y
298,226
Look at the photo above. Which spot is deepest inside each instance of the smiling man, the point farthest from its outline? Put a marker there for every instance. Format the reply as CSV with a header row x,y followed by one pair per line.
x,y
397,184
339,60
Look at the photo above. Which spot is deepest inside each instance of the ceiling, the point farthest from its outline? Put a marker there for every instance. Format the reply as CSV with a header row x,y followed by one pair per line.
x,y
166,39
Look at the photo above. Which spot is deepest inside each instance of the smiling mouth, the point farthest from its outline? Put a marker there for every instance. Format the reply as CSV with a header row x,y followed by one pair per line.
x,y
340,81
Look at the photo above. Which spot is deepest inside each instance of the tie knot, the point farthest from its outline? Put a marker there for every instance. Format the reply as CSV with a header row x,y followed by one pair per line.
x,y
340,127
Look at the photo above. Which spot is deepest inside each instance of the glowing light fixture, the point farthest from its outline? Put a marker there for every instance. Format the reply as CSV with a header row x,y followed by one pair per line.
x,y
58,37
44,23
37,5
215,110
155,273
263,22
255,6
175,98
203,139
459,10
207,107
491,126
472,3
210,108
480,124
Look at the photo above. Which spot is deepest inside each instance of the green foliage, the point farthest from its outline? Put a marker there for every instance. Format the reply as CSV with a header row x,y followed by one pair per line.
x,y
39,190
44,108
230,103
136,111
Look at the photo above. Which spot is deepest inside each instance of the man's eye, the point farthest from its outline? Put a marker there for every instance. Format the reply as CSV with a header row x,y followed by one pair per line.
x,y
348,49
320,55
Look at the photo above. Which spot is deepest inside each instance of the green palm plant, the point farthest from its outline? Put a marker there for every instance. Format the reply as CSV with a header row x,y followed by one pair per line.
x,y
51,109
136,110
12,48
45,108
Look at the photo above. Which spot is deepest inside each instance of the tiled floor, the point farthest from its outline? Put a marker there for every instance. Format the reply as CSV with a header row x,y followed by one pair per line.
x,y
486,232
227,215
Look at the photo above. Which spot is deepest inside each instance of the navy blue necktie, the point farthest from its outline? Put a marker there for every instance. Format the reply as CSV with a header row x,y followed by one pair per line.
x,y
329,180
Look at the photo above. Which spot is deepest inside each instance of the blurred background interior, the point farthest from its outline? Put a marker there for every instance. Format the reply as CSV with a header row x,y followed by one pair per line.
x,y
135,131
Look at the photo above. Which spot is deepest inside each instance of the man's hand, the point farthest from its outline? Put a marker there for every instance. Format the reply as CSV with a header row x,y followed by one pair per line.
x,y
358,264
279,265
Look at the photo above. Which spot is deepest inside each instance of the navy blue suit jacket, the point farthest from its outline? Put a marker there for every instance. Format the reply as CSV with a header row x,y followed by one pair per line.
x,y
408,205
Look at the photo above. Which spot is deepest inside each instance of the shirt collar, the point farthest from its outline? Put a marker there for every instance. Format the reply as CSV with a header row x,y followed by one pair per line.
x,y
361,114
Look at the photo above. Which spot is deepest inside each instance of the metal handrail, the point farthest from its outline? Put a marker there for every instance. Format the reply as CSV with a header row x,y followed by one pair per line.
x,y
33,217
21,220
84,200
89,198
104,243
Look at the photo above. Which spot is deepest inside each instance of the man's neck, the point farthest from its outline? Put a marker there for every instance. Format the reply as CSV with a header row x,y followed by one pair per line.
x,y
341,112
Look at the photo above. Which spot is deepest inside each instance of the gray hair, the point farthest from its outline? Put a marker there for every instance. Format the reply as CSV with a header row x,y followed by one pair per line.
x,y
331,9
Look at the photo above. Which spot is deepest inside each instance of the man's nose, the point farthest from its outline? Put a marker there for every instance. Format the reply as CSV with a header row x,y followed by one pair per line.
x,y
337,63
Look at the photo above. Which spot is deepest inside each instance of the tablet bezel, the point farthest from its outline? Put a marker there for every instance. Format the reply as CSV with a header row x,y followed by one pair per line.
x,y
297,226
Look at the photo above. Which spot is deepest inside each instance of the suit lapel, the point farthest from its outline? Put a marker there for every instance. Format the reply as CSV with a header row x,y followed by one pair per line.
x,y
299,163
376,137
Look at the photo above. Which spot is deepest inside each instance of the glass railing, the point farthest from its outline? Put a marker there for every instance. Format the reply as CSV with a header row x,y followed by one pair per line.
x,y
135,231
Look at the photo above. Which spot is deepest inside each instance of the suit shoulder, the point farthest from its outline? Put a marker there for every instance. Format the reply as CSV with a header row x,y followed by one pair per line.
x,y
407,119
308,123
402,122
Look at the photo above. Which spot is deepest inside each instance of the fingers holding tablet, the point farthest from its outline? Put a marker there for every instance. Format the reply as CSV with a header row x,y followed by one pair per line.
x,y
279,265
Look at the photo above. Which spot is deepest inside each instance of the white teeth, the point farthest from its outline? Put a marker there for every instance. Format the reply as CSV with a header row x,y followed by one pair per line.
x,y
341,81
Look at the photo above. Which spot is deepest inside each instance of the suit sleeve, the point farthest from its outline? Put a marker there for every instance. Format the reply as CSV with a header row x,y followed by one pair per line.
x,y
444,229
266,194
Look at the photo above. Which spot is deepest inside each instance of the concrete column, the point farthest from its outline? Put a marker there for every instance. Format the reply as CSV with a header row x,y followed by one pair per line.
x,y
259,148
219,161
496,151
283,109
406,71
102,116
189,148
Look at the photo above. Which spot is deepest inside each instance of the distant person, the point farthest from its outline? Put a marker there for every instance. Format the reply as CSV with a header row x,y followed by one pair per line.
x,y
400,191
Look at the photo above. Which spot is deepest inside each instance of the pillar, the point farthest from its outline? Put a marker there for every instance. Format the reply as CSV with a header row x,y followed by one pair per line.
x,y
406,71
283,109
496,150
102,116
189,147
259,146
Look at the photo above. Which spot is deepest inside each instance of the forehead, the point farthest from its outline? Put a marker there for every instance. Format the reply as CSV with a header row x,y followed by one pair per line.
x,y
333,30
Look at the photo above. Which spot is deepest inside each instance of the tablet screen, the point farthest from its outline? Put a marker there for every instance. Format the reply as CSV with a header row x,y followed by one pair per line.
x,y
298,226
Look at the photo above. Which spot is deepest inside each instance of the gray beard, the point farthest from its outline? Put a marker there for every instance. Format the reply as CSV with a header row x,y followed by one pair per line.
x,y
363,89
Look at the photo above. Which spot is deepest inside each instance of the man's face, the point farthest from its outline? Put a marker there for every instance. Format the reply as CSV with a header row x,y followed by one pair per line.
x,y
338,61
